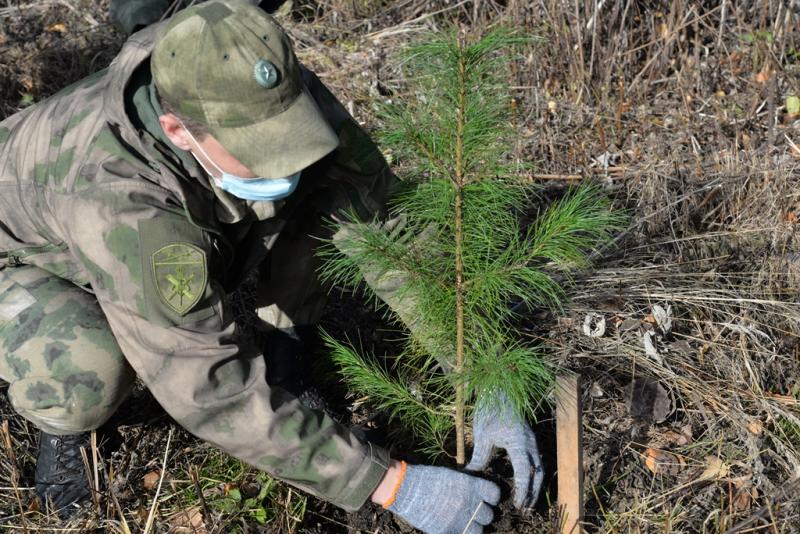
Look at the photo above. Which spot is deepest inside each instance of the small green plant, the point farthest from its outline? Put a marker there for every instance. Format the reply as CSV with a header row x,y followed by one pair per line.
x,y
455,255
233,490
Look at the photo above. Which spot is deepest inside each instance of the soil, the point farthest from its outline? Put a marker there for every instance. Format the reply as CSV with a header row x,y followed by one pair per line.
x,y
679,111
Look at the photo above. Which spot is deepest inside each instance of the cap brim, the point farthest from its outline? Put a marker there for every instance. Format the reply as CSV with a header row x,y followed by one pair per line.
x,y
285,143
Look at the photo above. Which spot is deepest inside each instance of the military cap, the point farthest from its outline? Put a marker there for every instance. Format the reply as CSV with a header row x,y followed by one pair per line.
x,y
230,66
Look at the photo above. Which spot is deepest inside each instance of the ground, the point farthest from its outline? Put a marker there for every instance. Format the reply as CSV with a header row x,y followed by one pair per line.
x,y
685,332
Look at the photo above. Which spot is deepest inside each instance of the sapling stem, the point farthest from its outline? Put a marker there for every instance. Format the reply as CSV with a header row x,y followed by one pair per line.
x,y
458,184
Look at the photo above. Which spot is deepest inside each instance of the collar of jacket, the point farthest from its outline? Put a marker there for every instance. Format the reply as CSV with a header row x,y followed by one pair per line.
x,y
203,201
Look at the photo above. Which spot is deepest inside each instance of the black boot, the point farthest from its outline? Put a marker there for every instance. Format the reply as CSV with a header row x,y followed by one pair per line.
x,y
60,473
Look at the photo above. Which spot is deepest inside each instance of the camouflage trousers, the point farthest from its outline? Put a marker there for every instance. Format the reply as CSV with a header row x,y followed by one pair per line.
x,y
65,370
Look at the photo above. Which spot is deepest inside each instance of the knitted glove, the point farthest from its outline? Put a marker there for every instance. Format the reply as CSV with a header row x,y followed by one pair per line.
x,y
438,500
500,426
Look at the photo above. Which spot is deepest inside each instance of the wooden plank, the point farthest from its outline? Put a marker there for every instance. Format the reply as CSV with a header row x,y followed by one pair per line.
x,y
569,441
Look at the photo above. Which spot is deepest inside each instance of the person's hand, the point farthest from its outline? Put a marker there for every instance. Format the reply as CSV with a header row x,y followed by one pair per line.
x,y
438,500
500,426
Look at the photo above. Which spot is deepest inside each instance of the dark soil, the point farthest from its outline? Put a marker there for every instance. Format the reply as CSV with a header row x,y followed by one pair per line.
x,y
678,111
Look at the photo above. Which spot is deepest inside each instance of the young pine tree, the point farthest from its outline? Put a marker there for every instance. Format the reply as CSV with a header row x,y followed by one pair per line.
x,y
454,255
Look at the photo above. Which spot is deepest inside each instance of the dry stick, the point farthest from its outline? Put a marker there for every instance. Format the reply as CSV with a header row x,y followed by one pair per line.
x,y
12,458
398,28
87,466
592,27
109,474
95,461
193,472
459,182
722,23
789,489
7,11
151,517
579,48
87,16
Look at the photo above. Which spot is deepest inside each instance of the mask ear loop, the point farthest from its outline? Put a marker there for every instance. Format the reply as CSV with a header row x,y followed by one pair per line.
x,y
197,144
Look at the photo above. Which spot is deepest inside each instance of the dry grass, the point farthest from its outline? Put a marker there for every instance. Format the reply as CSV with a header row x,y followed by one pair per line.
x,y
677,109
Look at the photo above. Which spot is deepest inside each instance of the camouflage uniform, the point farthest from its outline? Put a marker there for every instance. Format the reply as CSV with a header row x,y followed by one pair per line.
x,y
114,242
133,15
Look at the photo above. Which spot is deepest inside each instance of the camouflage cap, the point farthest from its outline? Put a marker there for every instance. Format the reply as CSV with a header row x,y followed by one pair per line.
x,y
230,66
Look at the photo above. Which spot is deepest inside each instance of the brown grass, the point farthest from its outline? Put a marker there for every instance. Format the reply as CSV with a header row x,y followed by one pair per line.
x,y
677,110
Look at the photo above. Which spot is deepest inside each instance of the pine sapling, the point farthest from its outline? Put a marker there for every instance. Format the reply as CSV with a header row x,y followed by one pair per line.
x,y
454,254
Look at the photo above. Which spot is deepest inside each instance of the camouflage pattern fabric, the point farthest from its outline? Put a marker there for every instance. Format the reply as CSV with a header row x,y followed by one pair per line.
x,y
66,372
89,197
132,15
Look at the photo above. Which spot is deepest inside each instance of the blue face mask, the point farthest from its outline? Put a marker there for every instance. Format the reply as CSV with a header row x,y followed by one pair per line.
x,y
259,189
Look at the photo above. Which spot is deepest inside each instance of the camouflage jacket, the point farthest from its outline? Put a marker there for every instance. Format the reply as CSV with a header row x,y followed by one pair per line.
x,y
89,197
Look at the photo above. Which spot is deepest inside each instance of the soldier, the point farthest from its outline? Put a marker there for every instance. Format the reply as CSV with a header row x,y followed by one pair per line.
x,y
134,201
132,15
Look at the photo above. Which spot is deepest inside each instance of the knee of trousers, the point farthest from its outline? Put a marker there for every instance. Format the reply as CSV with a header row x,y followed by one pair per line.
x,y
57,408
65,370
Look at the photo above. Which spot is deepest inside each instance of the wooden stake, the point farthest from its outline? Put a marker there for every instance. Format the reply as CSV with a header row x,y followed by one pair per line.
x,y
569,436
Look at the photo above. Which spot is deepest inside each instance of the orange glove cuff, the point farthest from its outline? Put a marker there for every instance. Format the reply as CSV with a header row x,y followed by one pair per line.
x,y
396,489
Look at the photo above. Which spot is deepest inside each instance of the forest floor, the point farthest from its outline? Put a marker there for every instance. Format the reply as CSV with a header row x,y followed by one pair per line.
x,y
686,332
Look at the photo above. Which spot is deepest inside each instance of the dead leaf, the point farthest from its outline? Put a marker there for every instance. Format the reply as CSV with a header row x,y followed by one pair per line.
x,y
764,75
745,140
755,427
790,217
649,342
677,437
663,317
33,506
745,496
715,469
150,480
58,27
646,399
188,520
594,325
662,462
141,514
793,105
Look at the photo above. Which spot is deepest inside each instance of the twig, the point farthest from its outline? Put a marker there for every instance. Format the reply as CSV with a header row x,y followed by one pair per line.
x,y
787,489
87,16
398,29
568,177
151,516
125,527
722,22
7,11
193,472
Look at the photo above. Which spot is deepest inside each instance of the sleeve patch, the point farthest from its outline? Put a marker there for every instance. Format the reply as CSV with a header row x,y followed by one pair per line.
x,y
177,282
180,275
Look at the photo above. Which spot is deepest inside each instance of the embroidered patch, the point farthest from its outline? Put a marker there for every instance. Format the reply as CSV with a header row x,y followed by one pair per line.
x,y
180,275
